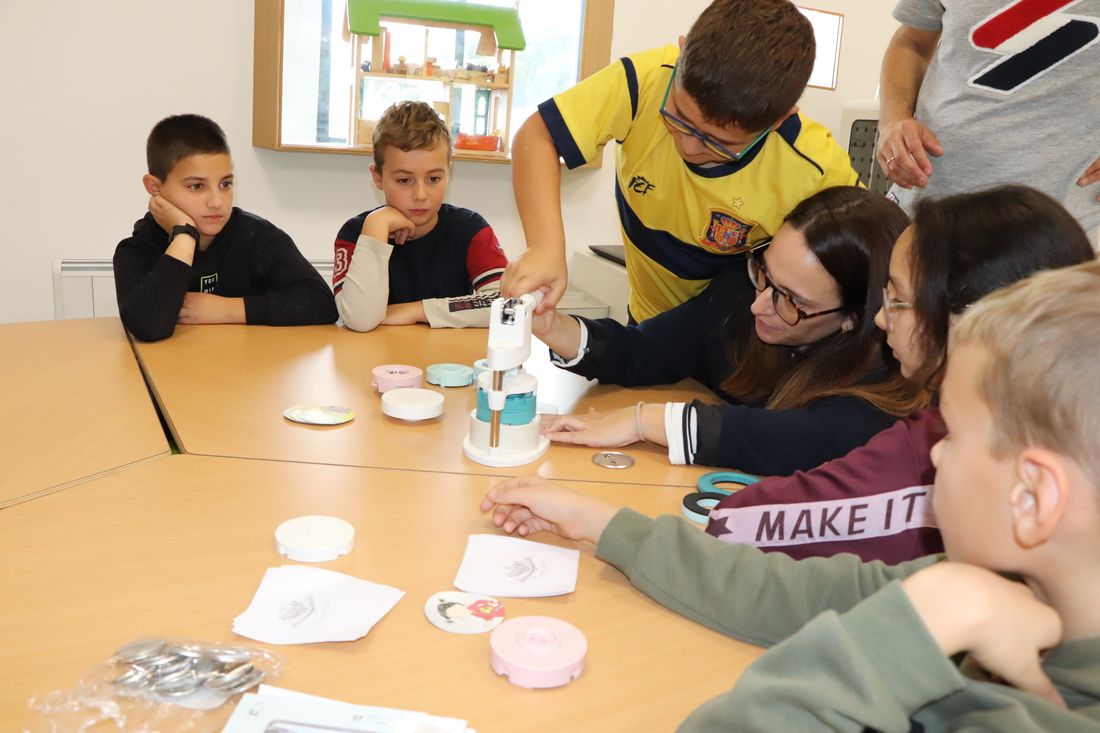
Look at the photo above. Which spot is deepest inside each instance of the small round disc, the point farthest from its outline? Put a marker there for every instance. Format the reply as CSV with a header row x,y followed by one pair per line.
x,y
463,613
613,459
319,414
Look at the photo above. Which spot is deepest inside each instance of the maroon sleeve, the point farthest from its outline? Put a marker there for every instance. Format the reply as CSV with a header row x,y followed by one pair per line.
x,y
342,260
485,260
875,502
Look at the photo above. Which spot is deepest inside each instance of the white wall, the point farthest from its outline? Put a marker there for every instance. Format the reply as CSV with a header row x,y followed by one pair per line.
x,y
84,82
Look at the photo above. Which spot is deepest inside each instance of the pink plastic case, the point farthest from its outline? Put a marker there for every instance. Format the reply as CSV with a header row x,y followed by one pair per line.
x,y
392,376
537,651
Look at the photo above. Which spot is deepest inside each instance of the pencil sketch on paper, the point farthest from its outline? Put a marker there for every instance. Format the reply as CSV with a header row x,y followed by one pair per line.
x,y
525,569
297,612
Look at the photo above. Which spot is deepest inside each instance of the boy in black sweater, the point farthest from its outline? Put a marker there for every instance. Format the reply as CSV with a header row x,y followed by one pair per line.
x,y
194,258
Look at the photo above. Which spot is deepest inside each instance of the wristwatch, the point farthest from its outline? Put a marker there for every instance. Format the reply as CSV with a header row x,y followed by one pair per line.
x,y
184,229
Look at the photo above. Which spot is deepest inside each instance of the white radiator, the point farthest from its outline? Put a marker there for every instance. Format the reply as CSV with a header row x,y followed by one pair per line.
x,y
86,288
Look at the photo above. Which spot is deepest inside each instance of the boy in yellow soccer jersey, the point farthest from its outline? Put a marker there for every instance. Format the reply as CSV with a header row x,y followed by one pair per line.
x,y
712,153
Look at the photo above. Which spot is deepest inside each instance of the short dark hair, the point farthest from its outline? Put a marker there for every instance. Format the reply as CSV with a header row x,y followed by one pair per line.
x,y
970,244
409,126
851,231
746,62
180,136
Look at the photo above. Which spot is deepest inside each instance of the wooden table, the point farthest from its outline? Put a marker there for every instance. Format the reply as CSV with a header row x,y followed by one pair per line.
x,y
75,404
177,548
224,389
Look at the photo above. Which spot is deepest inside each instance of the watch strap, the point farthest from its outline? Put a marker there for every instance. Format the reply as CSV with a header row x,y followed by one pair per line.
x,y
184,229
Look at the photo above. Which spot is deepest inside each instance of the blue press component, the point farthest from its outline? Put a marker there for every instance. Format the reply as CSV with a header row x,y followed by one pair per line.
x,y
519,409
708,482
696,506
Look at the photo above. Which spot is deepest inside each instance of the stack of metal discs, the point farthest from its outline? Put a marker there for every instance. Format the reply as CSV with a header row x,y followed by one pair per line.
x,y
175,670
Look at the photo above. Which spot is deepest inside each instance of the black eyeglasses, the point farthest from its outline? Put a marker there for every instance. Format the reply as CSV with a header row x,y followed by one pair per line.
x,y
678,126
784,305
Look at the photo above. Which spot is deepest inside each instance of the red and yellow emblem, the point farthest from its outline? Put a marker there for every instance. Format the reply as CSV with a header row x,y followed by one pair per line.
x,y
726,233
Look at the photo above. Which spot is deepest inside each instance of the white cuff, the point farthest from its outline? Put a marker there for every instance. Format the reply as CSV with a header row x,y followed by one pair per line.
x,y
674,433
582,349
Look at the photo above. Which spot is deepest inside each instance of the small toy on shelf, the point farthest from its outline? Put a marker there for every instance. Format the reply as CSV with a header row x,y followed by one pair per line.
x,y
486,143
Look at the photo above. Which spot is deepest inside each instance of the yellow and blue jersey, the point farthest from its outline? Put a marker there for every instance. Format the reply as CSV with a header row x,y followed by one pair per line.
x,y
681,222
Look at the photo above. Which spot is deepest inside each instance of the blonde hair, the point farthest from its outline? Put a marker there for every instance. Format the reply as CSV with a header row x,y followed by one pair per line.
x,y
409,126
1042,335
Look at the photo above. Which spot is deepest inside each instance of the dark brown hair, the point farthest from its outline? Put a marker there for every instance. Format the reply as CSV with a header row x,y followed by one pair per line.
x,y
851,231
970,244
409,126
746,62
181,136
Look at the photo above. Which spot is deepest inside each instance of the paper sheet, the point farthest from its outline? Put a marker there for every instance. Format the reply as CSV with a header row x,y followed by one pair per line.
x,y
301,605
275,710
516,568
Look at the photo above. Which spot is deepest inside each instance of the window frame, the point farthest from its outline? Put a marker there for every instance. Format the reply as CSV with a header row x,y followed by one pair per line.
x,y
267,75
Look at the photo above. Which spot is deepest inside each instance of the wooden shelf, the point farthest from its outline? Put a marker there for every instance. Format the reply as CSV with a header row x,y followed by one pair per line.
x,y
480,156
441,79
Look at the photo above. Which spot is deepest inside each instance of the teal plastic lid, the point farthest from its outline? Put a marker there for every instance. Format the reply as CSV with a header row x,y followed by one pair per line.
x,y
450,375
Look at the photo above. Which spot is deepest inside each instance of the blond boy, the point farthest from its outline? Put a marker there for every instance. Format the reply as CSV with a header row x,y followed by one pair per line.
x,y
415,259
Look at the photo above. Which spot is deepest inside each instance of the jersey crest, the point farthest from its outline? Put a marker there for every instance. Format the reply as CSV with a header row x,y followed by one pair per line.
x,y
726,233
1032,37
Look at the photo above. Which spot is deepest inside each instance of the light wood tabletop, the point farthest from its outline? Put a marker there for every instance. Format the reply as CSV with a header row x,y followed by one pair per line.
x,y
177,547
224,389
76,406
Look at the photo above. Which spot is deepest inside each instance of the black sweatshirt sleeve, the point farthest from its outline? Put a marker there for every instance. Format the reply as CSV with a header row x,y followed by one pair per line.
x,y
661,350
780,442
690,340
295,294
150,286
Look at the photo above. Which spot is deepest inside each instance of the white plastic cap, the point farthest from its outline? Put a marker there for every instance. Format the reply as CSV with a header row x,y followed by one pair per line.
x,y
314,538
408,403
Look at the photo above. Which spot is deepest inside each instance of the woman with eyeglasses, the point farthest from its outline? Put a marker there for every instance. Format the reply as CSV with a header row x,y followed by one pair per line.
x,y
875,502
792,348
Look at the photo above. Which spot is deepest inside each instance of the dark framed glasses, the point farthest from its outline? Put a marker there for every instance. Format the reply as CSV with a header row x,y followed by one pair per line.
x,y
678,126
785,307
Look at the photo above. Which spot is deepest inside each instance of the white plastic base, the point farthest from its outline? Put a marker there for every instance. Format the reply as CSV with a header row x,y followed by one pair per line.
x,y
412,403
519,444
314,538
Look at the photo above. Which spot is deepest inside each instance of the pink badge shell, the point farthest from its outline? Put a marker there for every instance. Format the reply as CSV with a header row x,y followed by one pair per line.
x,y
392,376
537,651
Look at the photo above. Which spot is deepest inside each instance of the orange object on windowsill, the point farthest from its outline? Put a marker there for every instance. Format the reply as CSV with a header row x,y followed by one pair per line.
x,y
489,143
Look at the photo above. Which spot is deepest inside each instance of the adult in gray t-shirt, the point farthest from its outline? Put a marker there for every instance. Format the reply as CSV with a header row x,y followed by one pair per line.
x,y
997,92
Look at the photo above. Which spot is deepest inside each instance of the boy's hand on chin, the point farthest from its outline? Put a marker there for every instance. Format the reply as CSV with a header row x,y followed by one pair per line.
x,y
167,214
386,222
999,622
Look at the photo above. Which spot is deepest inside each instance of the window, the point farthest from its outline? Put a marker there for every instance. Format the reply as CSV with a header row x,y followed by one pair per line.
x,y
827,28
318,87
